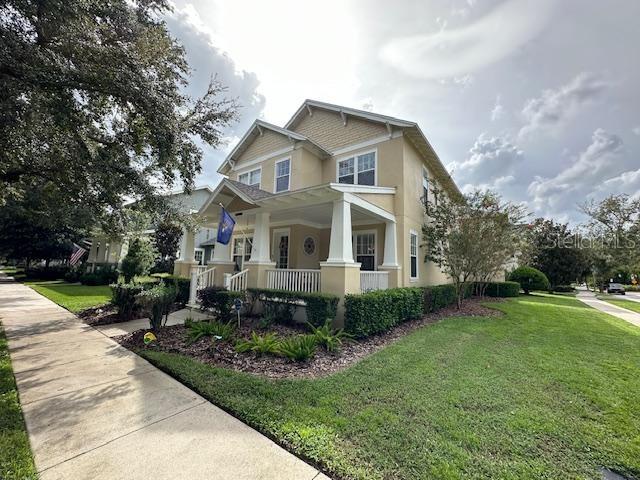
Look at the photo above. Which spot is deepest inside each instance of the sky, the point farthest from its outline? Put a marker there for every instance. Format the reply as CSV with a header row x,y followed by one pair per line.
x,y
537,100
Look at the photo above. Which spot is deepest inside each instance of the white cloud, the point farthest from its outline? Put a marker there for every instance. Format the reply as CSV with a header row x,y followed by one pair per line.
x,y
498,110
627,182
554,107
573,184
636,130
460,51
490,164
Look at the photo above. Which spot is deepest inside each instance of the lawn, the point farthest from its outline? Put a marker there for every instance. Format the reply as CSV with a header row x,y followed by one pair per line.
x,y
621,302
550,390
73,297
16,461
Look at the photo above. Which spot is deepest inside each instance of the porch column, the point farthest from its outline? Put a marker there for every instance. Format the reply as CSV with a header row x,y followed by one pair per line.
x,y
260,260
222,262
390,261
187,248
340,275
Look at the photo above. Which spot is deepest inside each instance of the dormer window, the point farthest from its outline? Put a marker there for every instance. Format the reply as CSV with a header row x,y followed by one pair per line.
x,y
358,170
251,178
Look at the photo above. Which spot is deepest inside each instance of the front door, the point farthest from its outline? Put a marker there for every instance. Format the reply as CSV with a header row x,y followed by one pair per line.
x,y
281,248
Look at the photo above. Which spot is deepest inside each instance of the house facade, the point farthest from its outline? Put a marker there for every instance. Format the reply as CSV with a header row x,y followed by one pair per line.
x,y
331,202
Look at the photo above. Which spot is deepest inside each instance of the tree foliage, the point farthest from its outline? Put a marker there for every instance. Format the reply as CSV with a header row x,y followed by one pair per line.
x,y
93,104
167,240
139,259
529,279
472,239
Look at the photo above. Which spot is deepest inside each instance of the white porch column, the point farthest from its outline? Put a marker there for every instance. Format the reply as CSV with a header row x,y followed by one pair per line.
x,y
261,250
187,245
341,243
390,246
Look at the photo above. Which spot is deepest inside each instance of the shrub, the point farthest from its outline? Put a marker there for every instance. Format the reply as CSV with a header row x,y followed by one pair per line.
x,y
320,306
157,301
529,279
47,273
438,297
259,344
182,285
327,337
563,289
105,275
123,296
198,330
74,274
138,260
376,312
219,300
502,289
299,348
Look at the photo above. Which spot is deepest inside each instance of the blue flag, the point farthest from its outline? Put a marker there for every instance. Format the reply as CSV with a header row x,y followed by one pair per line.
x,y
225,227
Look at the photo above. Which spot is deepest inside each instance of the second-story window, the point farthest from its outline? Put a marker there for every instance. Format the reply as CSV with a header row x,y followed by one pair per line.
x,y
358,170
251,178
283,174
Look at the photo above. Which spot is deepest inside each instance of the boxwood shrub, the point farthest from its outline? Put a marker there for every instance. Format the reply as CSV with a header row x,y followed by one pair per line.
x,y
376,312
320,306
502,289
220,301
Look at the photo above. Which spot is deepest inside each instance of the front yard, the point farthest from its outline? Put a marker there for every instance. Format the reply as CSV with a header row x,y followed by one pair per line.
x,y
549,390
621,302
72,296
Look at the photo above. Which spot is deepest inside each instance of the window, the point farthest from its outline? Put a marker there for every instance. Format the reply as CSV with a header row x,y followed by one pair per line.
x,y
251,178
241,252
365,250
413,254
213,251
198,255
425,185
283,174
358,170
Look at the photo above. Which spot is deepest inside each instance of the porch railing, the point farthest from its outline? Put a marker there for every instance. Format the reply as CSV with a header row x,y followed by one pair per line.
x,y
373,281
300,280
236,282
201,277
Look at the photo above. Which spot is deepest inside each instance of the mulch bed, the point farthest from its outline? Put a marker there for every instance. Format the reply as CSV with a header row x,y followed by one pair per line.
x,y
222,354
107,314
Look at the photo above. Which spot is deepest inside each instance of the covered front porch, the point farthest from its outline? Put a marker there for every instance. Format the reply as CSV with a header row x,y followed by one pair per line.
x,y
322,239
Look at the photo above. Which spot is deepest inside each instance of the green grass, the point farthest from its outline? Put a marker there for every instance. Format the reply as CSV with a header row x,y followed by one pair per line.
x,y
621,302
550,390
73,297
16,461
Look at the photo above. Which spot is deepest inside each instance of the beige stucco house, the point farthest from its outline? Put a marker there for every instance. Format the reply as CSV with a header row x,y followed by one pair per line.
x,y
331,202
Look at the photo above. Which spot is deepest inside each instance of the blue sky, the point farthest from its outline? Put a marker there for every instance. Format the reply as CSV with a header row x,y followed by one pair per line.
x,y
537,100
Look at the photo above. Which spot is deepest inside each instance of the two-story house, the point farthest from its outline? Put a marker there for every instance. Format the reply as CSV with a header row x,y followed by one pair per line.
x,y
332,202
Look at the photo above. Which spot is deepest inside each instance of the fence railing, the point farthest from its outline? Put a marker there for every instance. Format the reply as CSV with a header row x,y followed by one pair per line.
x,y
373,281
201,277
300,280
236,282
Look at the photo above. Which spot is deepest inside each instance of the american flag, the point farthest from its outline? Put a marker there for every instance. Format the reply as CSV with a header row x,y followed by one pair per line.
x,y
77,254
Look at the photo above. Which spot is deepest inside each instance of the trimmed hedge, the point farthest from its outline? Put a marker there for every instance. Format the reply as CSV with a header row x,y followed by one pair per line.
x,y
502,289
104,276
564,289
376,312
47,273
529,279
219,300
320,306
182,285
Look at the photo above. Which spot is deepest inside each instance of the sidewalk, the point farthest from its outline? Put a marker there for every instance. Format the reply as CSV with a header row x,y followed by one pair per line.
x,y
590,299
95,410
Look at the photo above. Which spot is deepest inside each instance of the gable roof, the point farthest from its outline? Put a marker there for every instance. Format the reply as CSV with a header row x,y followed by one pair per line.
x,y
411,130
256,130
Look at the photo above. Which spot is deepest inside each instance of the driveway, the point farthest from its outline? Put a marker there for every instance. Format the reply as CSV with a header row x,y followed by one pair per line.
x,y
95,410
590,299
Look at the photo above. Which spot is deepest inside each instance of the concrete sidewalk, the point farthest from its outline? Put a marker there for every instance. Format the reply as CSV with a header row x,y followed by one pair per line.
x,y
590,299
95,410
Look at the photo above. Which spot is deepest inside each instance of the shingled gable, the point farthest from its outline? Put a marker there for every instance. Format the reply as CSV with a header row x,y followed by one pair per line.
x,y
255,131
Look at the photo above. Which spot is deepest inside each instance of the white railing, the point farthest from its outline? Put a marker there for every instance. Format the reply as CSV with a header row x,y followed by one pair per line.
x,y
301,280
201,277
236,282
373,281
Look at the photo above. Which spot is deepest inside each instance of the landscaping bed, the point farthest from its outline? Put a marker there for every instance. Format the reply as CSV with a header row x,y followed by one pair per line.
x,y
173,339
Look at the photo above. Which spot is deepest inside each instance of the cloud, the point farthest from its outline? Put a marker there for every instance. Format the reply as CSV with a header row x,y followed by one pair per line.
x,y
460,51
636,130
498,110
627,182
491,164
580,179
554,107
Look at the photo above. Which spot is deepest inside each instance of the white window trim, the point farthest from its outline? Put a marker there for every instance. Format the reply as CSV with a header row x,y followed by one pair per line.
x,y
425,183
249,172
275,175
355,156
417,277
275,247
375,245
197,249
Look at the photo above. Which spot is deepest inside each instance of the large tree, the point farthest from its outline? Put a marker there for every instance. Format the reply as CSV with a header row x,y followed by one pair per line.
x,y
471,239
92,104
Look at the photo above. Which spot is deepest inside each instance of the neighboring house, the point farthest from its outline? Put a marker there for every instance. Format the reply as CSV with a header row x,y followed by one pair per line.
x,y
110,251
332,202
